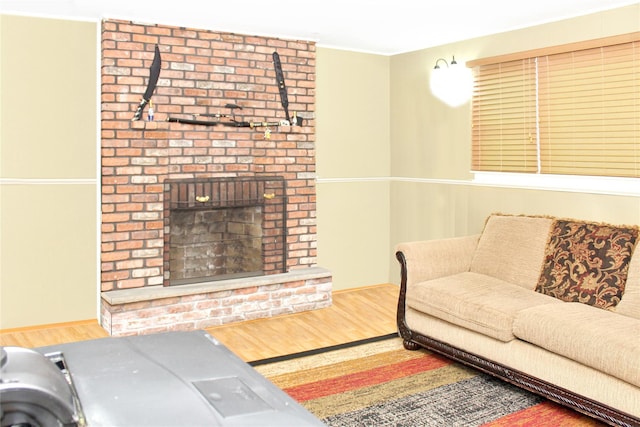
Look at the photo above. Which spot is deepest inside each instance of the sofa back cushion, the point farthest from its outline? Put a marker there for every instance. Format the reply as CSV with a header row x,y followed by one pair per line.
x,y
630,304
511,248
587,262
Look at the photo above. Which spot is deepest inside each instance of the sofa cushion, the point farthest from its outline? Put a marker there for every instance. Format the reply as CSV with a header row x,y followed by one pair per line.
x,y
587,262
511,248
475,301
600,339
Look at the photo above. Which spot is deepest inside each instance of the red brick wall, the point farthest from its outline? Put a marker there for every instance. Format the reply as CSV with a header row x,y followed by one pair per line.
x,y
201,71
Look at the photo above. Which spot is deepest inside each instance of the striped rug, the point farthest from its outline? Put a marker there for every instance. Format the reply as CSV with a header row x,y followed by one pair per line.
x,y
381,384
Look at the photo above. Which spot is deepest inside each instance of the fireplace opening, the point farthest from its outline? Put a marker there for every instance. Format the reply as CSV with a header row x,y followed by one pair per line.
x,y
215,244
223,228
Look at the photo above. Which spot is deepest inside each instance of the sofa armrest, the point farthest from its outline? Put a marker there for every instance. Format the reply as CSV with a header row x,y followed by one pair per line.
x,y
430,259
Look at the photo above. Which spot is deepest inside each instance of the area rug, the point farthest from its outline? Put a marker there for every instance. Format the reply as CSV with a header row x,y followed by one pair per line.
x,y
379,383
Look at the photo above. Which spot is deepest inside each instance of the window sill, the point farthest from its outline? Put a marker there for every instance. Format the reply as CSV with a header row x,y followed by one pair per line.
x,y
570,183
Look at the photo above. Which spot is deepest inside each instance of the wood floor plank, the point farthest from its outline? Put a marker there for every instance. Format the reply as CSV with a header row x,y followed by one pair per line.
x,y
355,314
52,334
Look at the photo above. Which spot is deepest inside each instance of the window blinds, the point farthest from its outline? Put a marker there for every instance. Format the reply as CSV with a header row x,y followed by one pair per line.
x,y
504,117
574,112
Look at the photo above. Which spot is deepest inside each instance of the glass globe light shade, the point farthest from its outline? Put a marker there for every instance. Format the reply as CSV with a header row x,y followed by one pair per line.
x,y
452,85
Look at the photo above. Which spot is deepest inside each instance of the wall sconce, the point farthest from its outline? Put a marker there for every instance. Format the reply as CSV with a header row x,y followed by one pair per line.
x,y
453,84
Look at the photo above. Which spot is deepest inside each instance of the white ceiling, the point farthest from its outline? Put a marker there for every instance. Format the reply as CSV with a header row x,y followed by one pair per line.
x,y
376,26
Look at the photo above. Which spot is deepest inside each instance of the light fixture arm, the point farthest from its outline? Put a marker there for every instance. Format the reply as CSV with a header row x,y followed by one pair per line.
x,y
453,62
437,67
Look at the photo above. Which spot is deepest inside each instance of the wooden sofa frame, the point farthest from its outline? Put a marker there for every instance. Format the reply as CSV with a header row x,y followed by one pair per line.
x,y
413,340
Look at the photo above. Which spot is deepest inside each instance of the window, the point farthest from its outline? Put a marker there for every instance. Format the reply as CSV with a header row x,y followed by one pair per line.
x,y
568,110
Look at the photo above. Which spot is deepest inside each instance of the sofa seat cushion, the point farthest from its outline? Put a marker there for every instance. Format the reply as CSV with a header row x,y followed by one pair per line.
x,y
475,301
603,340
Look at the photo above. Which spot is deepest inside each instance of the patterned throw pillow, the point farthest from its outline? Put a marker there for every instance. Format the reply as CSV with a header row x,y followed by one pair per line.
x,y
587,262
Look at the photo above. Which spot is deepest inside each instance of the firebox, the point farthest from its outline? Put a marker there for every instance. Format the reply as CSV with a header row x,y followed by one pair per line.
x,y
223,228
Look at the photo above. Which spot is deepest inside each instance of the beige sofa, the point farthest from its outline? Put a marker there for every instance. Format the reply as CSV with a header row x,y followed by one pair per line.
x,y
549,304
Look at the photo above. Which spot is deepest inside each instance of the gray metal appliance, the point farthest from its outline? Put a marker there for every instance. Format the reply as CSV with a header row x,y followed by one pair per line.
x,y
166,379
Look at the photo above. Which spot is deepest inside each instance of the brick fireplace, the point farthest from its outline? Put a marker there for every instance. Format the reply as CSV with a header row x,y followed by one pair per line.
x,y
160,178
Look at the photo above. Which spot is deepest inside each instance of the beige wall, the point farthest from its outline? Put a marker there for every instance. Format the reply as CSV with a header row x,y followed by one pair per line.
x,y
48,184
430,142
392,162
352,149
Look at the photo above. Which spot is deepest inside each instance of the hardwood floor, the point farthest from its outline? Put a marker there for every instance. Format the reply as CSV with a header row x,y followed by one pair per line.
x,y
355,314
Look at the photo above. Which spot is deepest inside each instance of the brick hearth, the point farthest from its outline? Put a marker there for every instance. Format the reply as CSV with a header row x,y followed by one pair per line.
x,y
202,71
199,306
